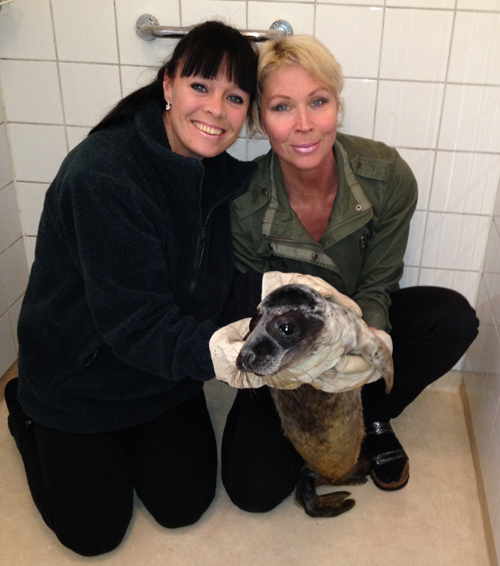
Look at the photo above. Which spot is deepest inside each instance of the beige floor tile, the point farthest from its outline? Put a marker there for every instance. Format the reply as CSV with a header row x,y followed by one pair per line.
x,y
436,520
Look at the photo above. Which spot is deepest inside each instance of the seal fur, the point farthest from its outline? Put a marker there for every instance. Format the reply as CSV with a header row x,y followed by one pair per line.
x,y
326,429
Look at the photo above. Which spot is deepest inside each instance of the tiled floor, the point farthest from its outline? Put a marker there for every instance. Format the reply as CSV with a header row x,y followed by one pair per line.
x,y
436,520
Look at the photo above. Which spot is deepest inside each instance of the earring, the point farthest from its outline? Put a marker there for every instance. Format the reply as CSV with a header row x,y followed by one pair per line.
x,y
168,106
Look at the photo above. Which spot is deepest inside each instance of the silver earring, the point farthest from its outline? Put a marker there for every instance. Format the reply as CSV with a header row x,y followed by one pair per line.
x,y
168,106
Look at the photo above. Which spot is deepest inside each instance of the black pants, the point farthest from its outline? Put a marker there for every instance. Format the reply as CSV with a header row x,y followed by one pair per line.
x,y
83,484
432,328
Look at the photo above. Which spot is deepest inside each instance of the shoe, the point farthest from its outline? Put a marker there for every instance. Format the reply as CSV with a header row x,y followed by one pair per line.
x,y
390,464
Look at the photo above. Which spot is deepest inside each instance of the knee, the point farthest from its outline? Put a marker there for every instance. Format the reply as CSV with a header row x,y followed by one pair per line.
x,y
182,513
258,498
457,315
92,542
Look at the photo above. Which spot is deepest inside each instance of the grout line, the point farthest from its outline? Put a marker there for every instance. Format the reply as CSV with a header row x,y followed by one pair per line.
x,y
58,67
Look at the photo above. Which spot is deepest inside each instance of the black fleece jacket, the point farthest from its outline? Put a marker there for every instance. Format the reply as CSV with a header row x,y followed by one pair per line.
x,y
133,273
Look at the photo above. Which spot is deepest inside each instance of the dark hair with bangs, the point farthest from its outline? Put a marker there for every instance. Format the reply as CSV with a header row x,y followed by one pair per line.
x,y
207,50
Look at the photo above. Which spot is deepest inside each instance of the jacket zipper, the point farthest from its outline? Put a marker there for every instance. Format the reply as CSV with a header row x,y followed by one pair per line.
x,y
200,249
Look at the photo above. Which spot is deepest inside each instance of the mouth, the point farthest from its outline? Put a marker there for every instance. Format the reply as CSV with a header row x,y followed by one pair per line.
x,y
208,129
306,147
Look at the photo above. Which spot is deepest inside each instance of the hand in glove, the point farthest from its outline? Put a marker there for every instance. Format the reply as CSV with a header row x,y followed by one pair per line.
x,y
226,343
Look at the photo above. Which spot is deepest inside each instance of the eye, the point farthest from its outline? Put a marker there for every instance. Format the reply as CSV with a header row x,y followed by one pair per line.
x,y
235,99
319,102
281,108
199,87
287,328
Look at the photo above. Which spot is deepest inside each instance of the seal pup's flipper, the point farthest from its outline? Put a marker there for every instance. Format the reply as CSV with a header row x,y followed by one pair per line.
x,y
327,505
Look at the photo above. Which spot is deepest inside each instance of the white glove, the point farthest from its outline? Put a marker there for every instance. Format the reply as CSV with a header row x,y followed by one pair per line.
x,y
351,372
226,343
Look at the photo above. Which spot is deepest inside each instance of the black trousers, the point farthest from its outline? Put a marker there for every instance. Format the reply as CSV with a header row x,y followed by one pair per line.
x,y
432,327
83,484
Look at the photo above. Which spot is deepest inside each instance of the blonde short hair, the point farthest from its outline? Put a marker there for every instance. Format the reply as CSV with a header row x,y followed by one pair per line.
x,y
304,50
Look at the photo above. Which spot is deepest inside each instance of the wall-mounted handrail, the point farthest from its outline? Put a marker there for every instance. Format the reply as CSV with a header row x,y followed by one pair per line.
x,y
148,28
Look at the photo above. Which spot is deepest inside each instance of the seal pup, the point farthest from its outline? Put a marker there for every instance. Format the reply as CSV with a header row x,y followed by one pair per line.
x,y
326,429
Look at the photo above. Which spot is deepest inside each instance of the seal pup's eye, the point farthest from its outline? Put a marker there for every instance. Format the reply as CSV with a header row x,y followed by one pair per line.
x,y
287,328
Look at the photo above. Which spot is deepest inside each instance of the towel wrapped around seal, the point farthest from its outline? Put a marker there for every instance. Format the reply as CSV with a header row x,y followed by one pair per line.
x,y
329,368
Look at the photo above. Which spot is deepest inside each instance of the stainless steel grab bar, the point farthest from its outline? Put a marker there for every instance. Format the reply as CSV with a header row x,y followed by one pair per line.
x,y
148,28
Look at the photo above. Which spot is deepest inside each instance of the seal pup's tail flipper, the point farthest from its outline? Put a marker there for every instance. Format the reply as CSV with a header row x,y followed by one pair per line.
x,y
327,505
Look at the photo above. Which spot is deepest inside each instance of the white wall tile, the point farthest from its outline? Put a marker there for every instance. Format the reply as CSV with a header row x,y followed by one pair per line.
x,y
239,149
478,5
10,224
450,4
134,77
421,163
408,113
491,477
464,282
76,134
454,241
415,239
415,44
19,79
231,12
256,147
410,277
26,31
37,151
4,305
14,271
475,53
300,16
471,118
8,353
491,272
135,50
485,426
353,35
85,31
483,306
359,98
6,175
465,182
30,243
31,199
355,2
2,115
89,91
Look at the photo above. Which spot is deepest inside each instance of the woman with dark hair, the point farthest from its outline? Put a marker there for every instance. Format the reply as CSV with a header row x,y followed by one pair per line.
x,y
133,273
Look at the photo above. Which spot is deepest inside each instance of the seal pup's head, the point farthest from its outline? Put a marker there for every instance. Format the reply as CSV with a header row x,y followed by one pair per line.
x,y
287,328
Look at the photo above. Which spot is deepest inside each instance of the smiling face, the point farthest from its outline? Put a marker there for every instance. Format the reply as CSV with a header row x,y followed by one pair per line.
x,y
299,115
206,115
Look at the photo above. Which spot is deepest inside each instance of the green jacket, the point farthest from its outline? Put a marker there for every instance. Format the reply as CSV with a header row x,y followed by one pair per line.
x,y
361,252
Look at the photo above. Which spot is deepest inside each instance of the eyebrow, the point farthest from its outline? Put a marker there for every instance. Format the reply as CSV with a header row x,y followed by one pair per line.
x,y
287,97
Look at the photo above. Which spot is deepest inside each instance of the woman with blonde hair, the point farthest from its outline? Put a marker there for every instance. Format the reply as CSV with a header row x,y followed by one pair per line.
x,y
337,207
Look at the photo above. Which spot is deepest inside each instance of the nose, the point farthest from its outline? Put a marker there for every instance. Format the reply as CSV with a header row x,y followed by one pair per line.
x,y
215,106
245,361
304,123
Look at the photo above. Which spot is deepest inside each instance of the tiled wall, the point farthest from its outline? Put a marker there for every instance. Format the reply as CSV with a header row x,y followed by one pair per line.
x,y
13,265
482,376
